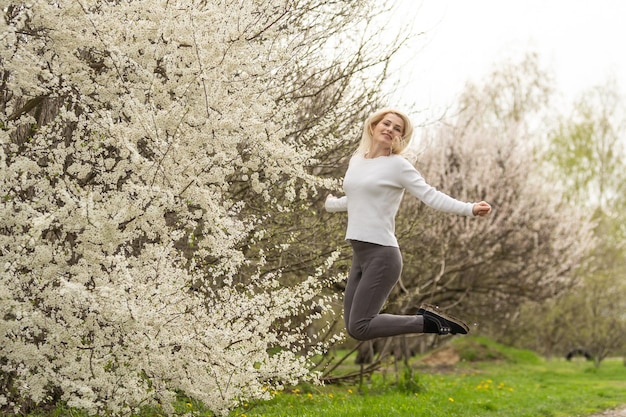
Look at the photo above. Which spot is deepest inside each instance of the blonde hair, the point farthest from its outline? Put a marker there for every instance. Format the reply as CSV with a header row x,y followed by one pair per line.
x,y
398,146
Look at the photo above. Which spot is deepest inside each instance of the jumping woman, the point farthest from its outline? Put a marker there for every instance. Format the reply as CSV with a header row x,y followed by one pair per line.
x,y
374,184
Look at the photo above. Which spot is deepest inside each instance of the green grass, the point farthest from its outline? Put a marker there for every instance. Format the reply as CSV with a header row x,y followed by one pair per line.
x,y
491,380
511,383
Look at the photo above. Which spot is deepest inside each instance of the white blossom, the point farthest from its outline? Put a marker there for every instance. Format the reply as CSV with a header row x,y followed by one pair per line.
x,y
120,239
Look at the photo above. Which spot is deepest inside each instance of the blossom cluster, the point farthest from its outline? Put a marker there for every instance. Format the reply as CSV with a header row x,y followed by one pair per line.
x,y
126,130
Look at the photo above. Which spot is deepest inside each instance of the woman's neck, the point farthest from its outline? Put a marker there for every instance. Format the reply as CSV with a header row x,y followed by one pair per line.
x,y
376,152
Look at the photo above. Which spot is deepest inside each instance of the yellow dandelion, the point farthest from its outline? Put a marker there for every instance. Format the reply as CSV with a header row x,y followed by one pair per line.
x,y
451,399
349,391
189,405
331,395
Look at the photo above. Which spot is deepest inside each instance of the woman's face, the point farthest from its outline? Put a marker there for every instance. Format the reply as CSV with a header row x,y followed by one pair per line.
x,y
390,127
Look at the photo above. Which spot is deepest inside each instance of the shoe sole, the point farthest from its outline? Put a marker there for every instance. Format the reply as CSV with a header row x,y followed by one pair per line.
x,y
434,310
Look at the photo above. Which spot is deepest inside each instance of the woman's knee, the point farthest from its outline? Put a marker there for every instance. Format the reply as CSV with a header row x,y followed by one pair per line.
x,y
358,332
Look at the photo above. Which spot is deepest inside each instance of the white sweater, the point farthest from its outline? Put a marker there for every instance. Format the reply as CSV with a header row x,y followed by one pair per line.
x,y
374,190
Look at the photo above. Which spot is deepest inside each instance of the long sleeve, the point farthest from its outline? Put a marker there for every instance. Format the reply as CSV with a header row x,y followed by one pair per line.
x,y
335,204
415,184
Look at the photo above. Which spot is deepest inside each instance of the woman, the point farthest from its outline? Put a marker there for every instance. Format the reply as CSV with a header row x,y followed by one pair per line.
x,y
374,185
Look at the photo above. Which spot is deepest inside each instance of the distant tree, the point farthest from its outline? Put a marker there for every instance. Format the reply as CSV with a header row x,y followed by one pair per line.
x,y
586,150
149,153
586,157
593,314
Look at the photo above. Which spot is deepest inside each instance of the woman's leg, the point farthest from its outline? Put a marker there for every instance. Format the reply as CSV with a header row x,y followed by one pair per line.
x,y
375,270
354,278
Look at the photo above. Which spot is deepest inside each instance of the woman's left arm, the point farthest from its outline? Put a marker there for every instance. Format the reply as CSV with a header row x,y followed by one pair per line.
x,y
415,184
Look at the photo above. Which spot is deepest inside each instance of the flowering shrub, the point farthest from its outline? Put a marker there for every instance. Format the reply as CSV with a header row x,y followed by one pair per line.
x,y
127,128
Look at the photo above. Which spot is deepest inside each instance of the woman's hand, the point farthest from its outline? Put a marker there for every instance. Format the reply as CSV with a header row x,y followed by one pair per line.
x,y
481,209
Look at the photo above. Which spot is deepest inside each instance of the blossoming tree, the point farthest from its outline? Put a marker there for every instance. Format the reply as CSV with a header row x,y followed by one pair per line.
x,y
128,131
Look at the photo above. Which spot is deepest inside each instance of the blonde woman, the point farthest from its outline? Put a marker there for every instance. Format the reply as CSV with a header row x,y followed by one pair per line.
x,y
374,185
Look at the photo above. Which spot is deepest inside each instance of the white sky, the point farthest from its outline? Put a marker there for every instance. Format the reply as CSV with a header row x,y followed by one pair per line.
x,y
581,41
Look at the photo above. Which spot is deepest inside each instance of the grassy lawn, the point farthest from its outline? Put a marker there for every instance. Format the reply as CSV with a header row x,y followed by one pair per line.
x,y
518,384
490,380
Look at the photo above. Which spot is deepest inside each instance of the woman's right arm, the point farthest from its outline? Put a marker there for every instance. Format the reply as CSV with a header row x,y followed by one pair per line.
x,y
334,204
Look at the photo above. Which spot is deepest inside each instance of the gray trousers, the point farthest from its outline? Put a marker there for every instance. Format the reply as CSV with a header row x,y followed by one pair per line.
x,y
375,270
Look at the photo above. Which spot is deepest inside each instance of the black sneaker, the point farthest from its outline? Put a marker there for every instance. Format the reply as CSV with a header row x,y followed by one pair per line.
x,y
438,322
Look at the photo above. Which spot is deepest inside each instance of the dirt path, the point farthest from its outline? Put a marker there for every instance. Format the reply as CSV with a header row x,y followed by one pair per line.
x,y
618,412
